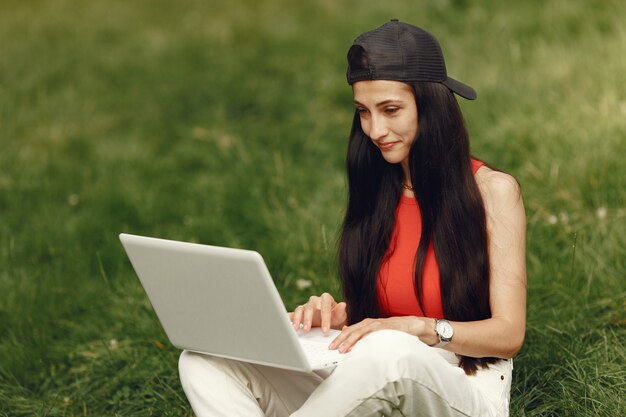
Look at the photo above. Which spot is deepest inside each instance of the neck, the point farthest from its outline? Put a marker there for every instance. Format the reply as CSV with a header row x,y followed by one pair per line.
x,y
407,179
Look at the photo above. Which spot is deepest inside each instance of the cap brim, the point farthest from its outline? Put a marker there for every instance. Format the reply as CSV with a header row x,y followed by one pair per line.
x,y
461,89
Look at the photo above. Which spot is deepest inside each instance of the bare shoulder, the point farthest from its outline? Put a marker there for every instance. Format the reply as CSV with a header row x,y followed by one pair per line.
x,y
499,190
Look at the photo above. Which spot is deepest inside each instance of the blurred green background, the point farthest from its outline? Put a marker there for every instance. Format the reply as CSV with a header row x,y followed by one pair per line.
x,y
226,123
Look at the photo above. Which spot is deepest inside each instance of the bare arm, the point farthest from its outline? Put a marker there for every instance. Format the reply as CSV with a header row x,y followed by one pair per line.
x,y
503,334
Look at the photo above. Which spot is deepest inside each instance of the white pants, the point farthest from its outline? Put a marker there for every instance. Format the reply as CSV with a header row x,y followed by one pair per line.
x,y
387,373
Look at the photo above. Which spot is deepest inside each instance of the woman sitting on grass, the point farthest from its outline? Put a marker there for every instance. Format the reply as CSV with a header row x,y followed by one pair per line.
x,y
432,262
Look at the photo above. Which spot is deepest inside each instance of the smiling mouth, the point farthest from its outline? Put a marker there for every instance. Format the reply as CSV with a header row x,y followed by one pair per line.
x,y
386,145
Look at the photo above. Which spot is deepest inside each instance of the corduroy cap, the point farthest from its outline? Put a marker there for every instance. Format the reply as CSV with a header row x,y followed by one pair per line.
x,y
398,51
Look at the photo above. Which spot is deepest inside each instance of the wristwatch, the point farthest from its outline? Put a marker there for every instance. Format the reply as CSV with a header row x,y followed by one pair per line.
x,y
444,331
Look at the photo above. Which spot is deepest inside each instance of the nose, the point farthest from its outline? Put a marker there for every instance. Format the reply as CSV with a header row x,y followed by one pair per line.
x,y
378,128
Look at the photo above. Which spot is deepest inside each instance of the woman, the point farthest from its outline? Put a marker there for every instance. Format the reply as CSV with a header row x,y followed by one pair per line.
x,y
432,261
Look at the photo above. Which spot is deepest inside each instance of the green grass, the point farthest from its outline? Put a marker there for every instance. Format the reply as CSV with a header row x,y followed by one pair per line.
x,y
226,123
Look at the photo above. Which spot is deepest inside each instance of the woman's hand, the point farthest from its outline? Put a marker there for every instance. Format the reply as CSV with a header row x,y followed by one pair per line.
x,y
421,327
322,311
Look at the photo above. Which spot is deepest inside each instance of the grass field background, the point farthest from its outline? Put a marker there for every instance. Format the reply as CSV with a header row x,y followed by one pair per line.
x,y
226,123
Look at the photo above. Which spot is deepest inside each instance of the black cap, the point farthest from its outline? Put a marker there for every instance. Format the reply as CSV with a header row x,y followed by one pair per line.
x,y
401,52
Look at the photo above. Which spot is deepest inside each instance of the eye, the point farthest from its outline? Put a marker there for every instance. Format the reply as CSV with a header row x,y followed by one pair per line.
x,y
391,110
361,110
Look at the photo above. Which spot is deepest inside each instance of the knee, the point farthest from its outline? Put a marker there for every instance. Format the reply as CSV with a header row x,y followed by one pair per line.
x,y
193,367
187,362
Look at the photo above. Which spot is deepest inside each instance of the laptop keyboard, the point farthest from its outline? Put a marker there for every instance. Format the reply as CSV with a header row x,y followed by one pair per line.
x,y
319,354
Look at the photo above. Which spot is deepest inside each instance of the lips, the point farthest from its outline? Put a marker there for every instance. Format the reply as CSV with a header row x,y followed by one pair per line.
x,y
386,145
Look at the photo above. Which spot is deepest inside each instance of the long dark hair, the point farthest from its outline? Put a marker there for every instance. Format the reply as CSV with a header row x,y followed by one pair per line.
x,y
453,215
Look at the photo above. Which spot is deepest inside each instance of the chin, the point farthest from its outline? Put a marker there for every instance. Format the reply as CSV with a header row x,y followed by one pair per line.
x,y
392,159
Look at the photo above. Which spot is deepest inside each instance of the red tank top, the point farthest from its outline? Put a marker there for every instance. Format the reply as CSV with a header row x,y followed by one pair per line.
x,y
396,277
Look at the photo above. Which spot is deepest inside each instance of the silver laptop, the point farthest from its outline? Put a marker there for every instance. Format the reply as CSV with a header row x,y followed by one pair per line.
x,y
223,302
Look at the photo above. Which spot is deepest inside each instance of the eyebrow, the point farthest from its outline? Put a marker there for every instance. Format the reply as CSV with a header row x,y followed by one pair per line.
x,y
382,103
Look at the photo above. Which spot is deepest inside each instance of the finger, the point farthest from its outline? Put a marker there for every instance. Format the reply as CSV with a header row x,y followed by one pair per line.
x,y
293,317
326,303
340,338
309,310
343,339
296,319
339,316
352,338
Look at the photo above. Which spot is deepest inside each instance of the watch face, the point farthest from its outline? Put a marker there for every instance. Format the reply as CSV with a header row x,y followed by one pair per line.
x,y
444,329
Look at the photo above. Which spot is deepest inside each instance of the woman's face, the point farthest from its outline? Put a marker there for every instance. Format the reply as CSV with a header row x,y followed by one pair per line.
x,y
388,116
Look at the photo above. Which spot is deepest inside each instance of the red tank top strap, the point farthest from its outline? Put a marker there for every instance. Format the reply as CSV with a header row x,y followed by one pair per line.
x,y
476,163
